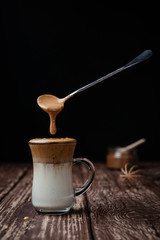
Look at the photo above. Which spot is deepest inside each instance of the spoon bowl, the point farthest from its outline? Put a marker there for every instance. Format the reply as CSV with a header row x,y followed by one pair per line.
x,y
46,101
53,106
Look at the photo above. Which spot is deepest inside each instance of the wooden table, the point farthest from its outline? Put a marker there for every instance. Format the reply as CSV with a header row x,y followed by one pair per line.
x,y
113,208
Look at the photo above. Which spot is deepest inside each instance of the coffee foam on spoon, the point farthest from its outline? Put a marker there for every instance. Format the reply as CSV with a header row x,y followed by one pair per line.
x,y
53,106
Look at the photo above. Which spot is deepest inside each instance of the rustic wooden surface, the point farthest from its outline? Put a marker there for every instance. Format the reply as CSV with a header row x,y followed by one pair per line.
x,y
112,209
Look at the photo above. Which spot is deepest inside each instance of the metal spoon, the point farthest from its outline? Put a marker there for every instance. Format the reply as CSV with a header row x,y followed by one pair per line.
x,y
143,56
53,105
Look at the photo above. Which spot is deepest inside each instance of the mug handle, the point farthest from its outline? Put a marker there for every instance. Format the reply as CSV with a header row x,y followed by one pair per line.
x,y
89,180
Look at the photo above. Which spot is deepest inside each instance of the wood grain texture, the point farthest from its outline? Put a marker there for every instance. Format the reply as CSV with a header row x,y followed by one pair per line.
x,y
112,209
123,210
10,175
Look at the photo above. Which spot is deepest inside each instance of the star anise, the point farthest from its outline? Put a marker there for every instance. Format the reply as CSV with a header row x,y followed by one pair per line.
x,y
130,173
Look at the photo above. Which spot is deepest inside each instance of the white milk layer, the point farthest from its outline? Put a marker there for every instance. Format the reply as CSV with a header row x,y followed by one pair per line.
x,y
52,186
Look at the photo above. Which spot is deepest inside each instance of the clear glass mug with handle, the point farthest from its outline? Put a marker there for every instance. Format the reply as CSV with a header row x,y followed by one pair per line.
x,y
52,189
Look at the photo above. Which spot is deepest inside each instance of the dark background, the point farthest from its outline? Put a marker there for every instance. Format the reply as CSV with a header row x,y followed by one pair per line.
x,y
57,49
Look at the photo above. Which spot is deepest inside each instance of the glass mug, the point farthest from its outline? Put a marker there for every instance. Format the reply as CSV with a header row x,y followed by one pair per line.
x,y
52,189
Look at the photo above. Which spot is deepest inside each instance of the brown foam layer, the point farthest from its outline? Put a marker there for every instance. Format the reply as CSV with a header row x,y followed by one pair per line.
x,y
52,150
51,140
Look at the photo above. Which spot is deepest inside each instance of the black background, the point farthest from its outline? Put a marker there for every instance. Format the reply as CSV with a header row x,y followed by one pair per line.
x,y
57,49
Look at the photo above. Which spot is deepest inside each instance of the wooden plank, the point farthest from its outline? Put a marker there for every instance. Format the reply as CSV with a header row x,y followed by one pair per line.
x,y
121,210
10,174
17,205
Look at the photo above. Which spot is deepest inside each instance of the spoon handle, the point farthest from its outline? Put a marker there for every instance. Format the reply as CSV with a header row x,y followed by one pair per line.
x,y
143,56
133,145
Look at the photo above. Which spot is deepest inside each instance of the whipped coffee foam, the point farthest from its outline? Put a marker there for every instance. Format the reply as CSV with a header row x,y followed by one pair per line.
x,y
52,140
52,150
